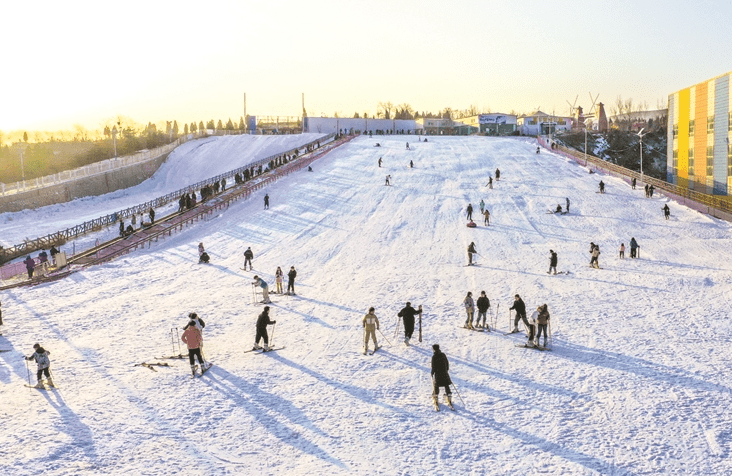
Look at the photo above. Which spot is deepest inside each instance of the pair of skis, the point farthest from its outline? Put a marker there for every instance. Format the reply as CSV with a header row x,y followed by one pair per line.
x,y
437,404
366,350
203,370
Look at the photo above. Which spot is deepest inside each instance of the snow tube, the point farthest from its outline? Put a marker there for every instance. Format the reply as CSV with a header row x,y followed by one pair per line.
x,y
472,224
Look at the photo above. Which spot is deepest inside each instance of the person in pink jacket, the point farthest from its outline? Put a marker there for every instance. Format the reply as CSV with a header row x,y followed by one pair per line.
x,y
193,339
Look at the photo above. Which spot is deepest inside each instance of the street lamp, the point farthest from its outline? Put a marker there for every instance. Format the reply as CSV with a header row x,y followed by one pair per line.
x,y
641,151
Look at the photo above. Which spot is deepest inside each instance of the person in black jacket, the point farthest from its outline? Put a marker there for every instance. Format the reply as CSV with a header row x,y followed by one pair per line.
x,y
470,211
248,256
483,305
552,262
151,214
407,315
262,322
291,281
440,374
520,308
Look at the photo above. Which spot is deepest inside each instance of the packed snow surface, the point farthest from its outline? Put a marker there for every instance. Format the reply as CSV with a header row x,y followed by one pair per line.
x,y
636,383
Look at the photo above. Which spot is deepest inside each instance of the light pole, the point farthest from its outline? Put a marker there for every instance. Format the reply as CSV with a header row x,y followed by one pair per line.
x,y
640,134
114,140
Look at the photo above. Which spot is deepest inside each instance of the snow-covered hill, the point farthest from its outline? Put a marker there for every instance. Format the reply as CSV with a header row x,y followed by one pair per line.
x,y
636,382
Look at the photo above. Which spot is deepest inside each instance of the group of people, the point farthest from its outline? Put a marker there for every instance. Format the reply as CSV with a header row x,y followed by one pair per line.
x,y
539,318
261,283
483,305
187,201
634,246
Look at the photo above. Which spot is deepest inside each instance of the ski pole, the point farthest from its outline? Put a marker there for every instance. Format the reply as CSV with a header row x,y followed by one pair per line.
x,y
458,394
27,370
177,339
382,335
396,332
550,332
272,339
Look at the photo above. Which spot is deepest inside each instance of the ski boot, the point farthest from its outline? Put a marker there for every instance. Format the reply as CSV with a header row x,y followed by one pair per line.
x,y
435,402
448,400
39,384
50,382
256,347
193,370
266,348
365,350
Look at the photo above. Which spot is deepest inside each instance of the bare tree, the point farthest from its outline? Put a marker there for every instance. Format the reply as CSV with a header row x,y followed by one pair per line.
x,y
385,109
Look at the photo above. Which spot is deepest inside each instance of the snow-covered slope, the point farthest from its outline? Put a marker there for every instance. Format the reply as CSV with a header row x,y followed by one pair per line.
x,y
190,163
636,382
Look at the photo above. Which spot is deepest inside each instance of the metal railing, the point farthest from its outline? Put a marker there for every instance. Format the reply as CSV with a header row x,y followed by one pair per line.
x,y
60,237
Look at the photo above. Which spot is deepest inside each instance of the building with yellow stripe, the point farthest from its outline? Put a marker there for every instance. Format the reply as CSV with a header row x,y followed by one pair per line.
x,y
699,155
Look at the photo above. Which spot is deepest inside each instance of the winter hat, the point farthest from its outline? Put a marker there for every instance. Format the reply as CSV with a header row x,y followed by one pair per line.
x,y
35,346
256,277
266,308
409,303
193,315
551,251
436,347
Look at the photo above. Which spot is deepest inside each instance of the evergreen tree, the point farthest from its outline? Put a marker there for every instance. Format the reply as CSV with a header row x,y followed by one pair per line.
x,y
219,125
229,125
25,137
200,126
241,124
194,128
210,124
185,129
175,128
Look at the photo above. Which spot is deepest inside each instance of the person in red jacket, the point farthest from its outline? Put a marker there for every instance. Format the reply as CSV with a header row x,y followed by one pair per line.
x,y
193,339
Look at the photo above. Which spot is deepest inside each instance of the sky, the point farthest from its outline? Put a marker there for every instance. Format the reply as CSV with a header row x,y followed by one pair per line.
x,y
86,63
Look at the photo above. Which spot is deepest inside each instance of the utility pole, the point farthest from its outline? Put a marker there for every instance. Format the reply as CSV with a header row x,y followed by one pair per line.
x,y
640,134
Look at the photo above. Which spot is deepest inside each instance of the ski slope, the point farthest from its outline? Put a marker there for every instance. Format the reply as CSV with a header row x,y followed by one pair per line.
x,y
636,384
192,162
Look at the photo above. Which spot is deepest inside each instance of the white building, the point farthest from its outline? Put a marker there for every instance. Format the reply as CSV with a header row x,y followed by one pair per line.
x,y
541,123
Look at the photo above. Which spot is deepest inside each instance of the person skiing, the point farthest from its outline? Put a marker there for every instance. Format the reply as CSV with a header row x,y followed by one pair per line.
x,y
265,291
487,216
370,325
193,339
634,248
40,355
483,304
30,265
266,201
471,251
632,183
411,164
552,262
602,186
650,191
482,206
498,175
470,211
469,310
407,315
490,183
407,145
542,321
666,211
291,275
538,149
379,161
622,250
646,187
278,279
440,375
262,322
202,255
387,180
520,308
595,251
248,256
532,328
567,208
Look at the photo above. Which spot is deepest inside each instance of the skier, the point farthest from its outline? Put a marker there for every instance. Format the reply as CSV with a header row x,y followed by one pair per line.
x,y
30,265
440,375
483,304
538,149
602,186
666,211
567,199
197,321
262,322
471,250
193,339
44,365
151,214
370,325
387,180
278,279
407,145
633,248
469,310
558,209
532,328
411,164
202,255
291,281
266,201
632,183
646,190
552,262
490,183
622,250
595,251
542,320
265,291
248,256
482,206
498,175
487,216
650,191
520,308
379,161
470,211
407,315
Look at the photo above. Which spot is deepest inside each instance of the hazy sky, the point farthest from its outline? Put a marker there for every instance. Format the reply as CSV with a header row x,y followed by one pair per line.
x,y
84,62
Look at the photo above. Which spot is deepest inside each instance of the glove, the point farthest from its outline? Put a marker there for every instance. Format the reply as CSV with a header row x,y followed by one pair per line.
x,y
274,322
